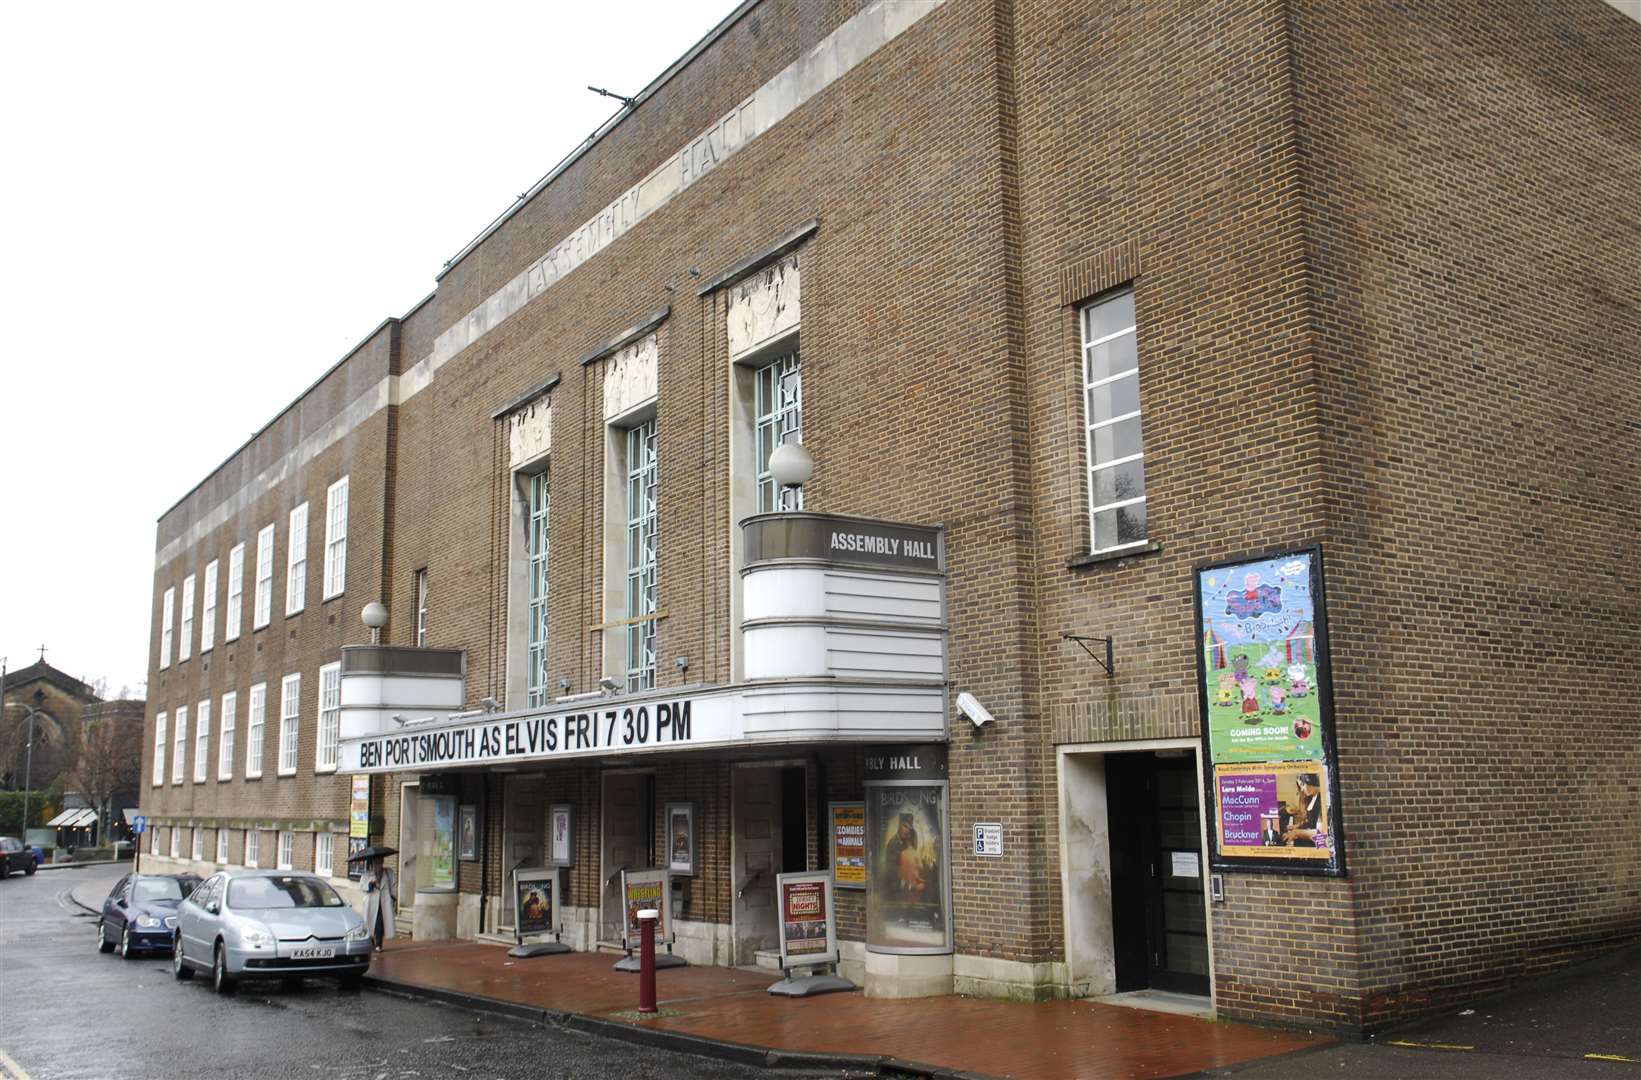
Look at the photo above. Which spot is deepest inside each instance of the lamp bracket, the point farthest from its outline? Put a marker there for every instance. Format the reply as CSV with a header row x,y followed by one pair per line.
x,y
1084,642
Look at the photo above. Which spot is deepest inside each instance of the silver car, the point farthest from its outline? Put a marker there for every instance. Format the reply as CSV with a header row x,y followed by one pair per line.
x,y
274,924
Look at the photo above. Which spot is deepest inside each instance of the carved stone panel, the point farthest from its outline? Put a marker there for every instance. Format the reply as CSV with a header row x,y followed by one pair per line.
x,y
530,431
631,376
764,306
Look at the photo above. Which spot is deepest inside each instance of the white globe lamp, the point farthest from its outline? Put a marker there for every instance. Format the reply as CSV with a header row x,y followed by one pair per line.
x,y
791,465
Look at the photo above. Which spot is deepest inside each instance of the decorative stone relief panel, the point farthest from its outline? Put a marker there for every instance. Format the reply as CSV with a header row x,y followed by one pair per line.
x,y
764,306
631,376
530,430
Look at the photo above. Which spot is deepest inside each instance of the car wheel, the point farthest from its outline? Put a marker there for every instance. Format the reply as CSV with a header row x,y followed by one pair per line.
x,y
126,951
103,944
221,981
179,966
5,867
30,868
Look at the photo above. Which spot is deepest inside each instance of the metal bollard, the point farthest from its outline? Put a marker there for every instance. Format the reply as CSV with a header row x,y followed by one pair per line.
x,y
646,960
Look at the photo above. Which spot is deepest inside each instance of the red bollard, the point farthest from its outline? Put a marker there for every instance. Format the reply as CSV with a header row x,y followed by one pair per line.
x,y
646,960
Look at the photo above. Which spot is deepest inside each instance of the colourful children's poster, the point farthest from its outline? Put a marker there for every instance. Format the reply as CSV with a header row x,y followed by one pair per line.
x,y
1266,714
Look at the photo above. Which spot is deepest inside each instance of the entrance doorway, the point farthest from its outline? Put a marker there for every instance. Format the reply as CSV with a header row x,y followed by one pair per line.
x,y
1159,919
524,819
770,838
628,842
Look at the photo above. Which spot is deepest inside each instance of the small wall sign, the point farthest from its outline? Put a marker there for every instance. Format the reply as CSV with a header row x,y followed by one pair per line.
x,y
988,838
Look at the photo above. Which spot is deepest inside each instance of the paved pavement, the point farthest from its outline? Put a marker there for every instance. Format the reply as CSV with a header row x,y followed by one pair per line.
x,y
1081,1039
70,1012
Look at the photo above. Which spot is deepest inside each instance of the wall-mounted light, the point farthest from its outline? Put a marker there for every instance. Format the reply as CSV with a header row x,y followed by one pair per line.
x,y
564,685
375,617
683,663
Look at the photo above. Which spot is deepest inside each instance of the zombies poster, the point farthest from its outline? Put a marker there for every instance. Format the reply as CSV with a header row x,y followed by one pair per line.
x,y
906,881
1267,720
536,897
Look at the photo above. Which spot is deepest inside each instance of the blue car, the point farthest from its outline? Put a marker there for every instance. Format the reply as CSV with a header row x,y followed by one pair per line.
x,y
140,914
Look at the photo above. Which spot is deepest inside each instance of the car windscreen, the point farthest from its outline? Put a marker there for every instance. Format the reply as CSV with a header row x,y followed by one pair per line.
x,y
280,892
161,888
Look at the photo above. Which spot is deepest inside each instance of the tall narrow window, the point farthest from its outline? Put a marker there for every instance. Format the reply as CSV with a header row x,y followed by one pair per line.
x,y
176,841
330,717
159,749
254,726
154,840
253,848
236,592
290,708
296,561
264,578
202,741
225,739
779,418
179,745
199,844
1111,398
336,538
208,612
168,614
324,849
642,475
287,850
222,844
185,646
421,608
537,551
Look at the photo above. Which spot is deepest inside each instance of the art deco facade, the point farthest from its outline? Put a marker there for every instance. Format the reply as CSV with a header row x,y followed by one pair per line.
x,y
1102,303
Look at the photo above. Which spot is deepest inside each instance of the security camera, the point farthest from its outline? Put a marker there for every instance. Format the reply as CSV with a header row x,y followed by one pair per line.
x,y
609,685
975,711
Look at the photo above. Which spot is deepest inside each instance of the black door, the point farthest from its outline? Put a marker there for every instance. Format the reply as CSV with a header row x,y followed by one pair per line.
x,y
1159,920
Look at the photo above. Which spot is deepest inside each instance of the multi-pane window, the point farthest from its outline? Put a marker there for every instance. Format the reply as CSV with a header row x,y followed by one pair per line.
x,y
168,614
642,475
199,844
154,840
336,538
778,402
296,562
176,842
287,850
421,608
254,720
236,592
1111,398
159,749
264,578
225,739
202,741
537,546
185,647
324,848
208,612
290,707
179,745
330,717
222,844
253,848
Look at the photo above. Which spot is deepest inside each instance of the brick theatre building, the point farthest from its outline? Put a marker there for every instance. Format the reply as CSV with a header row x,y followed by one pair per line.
x,y
1218,573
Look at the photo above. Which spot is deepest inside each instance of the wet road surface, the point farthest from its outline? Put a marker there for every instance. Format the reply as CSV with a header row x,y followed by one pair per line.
x,y
71,1012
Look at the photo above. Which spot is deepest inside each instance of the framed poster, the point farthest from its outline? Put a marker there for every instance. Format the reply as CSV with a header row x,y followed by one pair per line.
x,y
642,889
442,858
358,822
1266,694
537,899
467,833
809,933
847,821
561,835
680,819
908,882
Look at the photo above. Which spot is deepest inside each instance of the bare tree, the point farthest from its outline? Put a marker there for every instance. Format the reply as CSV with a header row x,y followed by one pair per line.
x,y
110,760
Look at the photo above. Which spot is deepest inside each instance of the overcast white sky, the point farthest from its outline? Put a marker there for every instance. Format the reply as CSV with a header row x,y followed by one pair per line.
x,y
204,206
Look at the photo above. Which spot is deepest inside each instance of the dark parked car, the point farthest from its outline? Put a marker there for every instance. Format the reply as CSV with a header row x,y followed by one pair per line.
x,y
141,913
15,857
